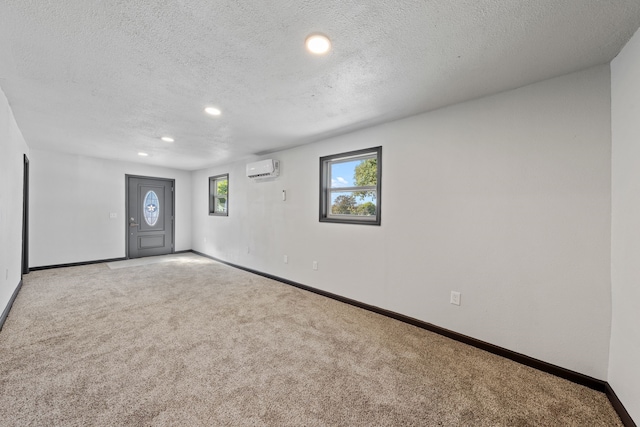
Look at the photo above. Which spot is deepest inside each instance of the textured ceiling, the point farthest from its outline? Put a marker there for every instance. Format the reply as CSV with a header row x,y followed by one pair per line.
x,y
108,78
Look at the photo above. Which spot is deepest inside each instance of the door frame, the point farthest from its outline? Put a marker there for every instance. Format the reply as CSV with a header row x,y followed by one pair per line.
x,y
25,216
126,209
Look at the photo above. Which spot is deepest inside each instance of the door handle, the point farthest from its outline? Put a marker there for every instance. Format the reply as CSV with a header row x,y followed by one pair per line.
x,y
133,224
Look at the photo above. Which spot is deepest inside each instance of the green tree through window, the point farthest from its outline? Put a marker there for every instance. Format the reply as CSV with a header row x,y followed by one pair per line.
x,y
223,188
365,174
343,205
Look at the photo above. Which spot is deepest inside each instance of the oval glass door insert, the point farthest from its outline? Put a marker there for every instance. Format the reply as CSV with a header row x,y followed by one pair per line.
x,y
151,208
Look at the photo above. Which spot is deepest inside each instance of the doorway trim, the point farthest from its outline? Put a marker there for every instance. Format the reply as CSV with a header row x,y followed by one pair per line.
x,y
126,209
25,216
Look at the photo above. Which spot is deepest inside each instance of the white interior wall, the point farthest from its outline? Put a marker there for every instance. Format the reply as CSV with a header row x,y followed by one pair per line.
x,y
12,150
624,373
70,202
505,199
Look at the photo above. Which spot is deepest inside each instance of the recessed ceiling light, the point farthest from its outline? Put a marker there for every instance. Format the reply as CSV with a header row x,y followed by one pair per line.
x,y
213,111
142,154
318,44
167,139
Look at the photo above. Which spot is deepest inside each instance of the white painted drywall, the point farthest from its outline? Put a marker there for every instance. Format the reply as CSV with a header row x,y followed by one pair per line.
x,y
505,199
624,365
70,202
12,149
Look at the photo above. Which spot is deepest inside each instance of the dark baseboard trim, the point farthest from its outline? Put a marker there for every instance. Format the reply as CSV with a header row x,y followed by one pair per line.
x,y
619,407
573,376
7,309
98,261
75,264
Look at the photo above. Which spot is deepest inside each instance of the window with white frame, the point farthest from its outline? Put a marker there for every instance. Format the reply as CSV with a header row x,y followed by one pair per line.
x,y
219,195
350,187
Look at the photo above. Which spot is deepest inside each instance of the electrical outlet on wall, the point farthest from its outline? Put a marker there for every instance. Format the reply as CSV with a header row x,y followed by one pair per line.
x,y
315,265
455,298
286,259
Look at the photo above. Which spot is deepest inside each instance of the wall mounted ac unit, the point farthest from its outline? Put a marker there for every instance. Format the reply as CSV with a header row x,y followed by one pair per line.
x,y
263,169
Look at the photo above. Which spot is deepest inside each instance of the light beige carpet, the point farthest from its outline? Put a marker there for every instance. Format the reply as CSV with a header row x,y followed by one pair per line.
x,y
196,342
138,262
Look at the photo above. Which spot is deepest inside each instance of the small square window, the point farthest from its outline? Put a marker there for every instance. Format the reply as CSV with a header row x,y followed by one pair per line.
x,y
350,187
219,195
